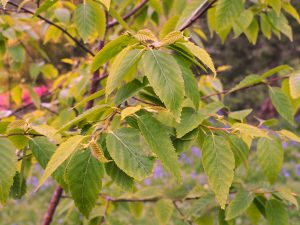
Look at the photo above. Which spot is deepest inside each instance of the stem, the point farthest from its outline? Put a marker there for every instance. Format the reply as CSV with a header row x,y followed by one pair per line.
x,y
198,14
52,206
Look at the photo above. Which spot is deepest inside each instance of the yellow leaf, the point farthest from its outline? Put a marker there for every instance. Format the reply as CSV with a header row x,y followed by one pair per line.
x,y
106,3
129,111
290,135
249,130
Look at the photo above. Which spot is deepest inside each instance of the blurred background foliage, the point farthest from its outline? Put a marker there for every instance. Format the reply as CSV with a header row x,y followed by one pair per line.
x,y
235,57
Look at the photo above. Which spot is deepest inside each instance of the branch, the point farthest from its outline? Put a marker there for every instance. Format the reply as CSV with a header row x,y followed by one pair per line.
x,y
182,214
130,14
52,206
77,42
246,87
198,14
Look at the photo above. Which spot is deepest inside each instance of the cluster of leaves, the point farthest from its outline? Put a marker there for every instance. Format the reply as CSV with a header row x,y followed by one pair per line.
x,y
154,104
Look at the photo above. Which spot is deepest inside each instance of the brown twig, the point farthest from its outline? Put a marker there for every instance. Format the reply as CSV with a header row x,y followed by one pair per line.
x,y
130,14
198,14
52,206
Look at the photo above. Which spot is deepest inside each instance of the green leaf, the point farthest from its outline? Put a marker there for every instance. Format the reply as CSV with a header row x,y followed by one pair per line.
x,y
276,213
48,131
119,18
239,204
83,175
18,189
160,143
190,119
275,70
119,177
243,22
89,19
164,210
42,149
252,31
129,90
8,162
240,151
270,157
265,25
294,82
202,55
63,152
165,77
125,149
136,208
45,6
227,11
280,24
282,104
247,81
92,111
218,163
125,63
240,115
169,26
190,82
110,50
276,5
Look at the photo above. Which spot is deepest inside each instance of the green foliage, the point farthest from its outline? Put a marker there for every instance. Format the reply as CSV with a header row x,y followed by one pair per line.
x,y
112,122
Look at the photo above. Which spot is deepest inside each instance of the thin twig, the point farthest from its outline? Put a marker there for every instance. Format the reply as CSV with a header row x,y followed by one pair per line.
x,y
198,14
52,206
182,214
130,14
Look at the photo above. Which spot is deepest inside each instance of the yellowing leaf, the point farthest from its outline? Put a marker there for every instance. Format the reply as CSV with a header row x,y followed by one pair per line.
x,y
294,81
63,152
290,135
129,111
106,3
249,130
202,55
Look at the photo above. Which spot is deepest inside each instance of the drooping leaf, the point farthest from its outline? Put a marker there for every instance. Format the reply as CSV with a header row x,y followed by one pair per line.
x,y
240,150
84,174
119,177
42,149
89,19
266,26
285,193
190,82
160,143
276,5
92,111
125,149
165,77
128,90
124,63
202,55
270,157
252,31
227,11
276,213
163,211
110,50
240,115
282,104
63,152
18,189
190,119
218,163
239,204
8,161
45,6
